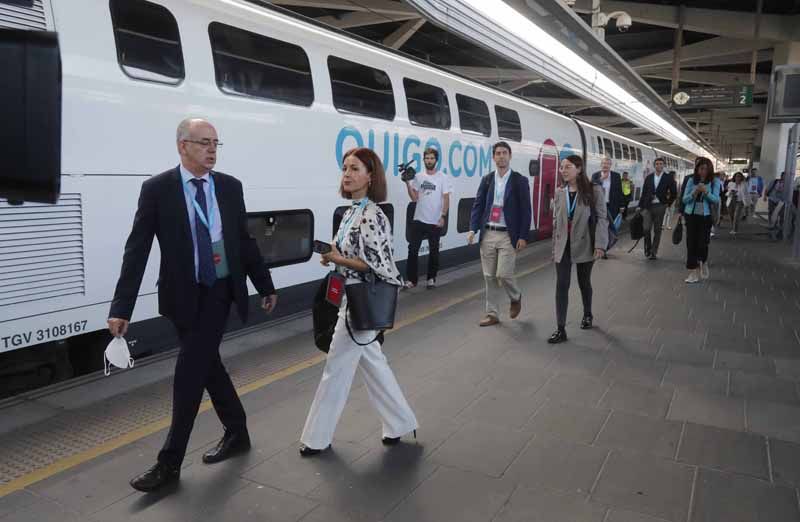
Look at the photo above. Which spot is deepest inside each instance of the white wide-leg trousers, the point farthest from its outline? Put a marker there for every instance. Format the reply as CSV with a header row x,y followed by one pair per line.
x,y
384,391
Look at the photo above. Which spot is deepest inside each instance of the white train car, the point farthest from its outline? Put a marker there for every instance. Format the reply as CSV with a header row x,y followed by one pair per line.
x,y
287,97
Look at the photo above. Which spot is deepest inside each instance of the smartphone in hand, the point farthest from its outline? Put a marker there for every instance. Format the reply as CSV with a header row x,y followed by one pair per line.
x,y
321,247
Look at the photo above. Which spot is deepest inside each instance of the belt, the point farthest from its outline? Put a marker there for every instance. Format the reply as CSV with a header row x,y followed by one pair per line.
x,y
497,228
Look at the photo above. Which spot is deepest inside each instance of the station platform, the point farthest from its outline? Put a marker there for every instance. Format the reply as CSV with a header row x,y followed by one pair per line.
x,y
682,404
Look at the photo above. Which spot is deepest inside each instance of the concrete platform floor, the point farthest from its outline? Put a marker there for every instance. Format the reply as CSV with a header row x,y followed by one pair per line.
x,y
681,405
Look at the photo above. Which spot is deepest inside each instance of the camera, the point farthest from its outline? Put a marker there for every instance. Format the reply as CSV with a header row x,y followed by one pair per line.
x,y
624,22
407,172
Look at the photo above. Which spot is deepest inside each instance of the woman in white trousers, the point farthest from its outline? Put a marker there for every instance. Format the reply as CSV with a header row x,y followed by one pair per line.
x,y
363,244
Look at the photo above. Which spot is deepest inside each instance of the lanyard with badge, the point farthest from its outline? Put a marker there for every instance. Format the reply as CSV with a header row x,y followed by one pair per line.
x,y
217,247
571,203
344,228
499,196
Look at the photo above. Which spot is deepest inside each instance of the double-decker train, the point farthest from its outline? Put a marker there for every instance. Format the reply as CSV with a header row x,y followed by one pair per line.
x,y
287,96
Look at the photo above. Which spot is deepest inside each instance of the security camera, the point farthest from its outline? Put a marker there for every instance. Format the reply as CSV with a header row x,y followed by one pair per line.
x,y
624,22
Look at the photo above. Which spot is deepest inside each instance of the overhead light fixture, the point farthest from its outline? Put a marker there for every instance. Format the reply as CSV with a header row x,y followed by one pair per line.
x,y
491,22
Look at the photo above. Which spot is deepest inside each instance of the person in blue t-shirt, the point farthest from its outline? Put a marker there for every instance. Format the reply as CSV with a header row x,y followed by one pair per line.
x,y
701,193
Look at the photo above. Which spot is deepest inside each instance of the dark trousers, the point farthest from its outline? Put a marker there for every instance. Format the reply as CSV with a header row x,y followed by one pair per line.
x,y
199,367
626,200
653,220
698,236
418,232
563,277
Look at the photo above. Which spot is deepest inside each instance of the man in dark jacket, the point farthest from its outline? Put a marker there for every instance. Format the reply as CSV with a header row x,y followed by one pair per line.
x,y
501,215
658,192
615,199
200,220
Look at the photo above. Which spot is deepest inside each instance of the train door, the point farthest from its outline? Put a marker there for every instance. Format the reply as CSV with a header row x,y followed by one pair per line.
x,y
544,186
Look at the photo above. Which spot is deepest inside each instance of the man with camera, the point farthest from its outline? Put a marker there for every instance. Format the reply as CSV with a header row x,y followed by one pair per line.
x,y
431,192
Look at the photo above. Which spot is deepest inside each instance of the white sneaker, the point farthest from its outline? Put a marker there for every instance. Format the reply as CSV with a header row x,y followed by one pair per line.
x,y
431,284
705,273
692,278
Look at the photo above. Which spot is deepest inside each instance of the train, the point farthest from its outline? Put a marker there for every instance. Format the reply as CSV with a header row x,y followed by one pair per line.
x,y
288,96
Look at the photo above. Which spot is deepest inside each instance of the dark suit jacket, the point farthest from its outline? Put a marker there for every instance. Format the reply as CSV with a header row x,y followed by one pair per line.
x,y
516,206
616,199
162,213
667,190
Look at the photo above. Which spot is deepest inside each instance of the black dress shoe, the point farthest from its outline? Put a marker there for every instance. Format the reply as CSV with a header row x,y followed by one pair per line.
x,y
231,444
305,451
559,336
392,441
586,323
156,478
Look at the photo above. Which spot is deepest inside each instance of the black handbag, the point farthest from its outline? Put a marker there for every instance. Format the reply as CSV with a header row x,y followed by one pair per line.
x,y
677,234
324,316
637,227
371,305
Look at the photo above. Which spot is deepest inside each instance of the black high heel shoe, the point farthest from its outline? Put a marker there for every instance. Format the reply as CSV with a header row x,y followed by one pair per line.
x,y
586,323
305,451
559,336
393,441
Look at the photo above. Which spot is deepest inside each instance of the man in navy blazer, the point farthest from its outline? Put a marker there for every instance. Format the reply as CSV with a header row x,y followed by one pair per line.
x,y
501,215
199,218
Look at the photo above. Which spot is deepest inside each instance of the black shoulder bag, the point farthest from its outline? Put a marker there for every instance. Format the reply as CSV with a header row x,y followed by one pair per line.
x,y
371,305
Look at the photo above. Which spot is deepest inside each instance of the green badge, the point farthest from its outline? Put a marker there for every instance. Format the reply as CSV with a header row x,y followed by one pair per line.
x,y
220,259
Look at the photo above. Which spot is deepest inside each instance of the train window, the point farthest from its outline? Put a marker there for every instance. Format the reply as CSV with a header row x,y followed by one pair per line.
x,y
625,152
600,145
617,150
410,209
250,64
148,41
508,124
638,154
473,115
464,214
359,89
608,149
284,237
338,214
427,105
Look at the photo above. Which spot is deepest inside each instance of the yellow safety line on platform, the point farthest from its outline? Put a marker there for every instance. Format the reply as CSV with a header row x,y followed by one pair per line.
x,y
137,434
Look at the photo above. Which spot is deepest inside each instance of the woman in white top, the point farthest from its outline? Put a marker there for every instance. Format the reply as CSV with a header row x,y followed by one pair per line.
x,y
738,200
363,244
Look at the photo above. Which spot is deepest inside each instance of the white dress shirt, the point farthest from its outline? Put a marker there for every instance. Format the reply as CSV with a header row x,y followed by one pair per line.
x,y
500,183
607,186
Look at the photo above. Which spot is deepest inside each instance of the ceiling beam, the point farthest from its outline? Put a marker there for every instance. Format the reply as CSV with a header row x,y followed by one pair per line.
x,y
362,18
375,6
402,34
515,85
493,73
712,78
712,48
736,24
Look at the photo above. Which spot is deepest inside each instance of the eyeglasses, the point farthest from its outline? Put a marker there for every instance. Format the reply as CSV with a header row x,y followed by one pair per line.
x,y
206,142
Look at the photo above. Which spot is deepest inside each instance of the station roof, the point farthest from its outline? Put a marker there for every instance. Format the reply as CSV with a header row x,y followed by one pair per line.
x,y
718,44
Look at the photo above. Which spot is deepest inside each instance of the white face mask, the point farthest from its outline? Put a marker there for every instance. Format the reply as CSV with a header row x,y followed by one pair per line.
x,y
117,354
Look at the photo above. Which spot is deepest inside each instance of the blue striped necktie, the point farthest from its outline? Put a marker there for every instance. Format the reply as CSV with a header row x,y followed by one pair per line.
x,y
206,273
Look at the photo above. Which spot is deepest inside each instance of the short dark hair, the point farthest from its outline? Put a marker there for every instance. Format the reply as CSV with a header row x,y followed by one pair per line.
x,y
501,144
377,191
662,160
431,150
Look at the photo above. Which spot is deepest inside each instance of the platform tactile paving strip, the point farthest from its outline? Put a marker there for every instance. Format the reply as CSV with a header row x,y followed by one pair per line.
x,y
71,432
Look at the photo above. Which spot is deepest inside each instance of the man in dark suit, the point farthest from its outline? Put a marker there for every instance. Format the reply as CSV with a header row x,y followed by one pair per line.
x,y
200,221
658,192
612,187
502,215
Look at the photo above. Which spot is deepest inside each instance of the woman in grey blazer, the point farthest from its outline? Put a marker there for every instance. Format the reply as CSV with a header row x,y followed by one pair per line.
x,y
578,231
